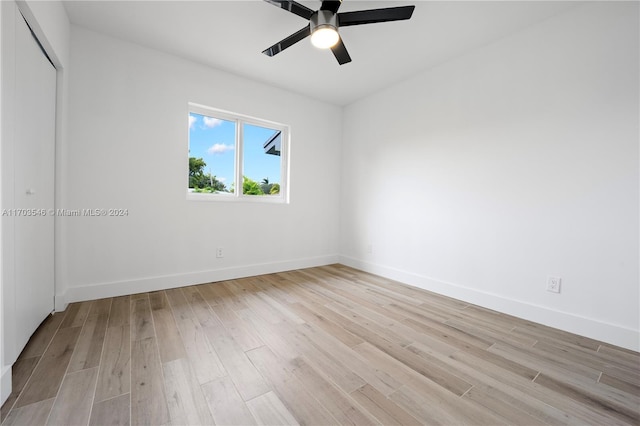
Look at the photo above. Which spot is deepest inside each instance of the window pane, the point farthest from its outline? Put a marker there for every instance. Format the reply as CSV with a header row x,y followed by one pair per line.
x,y
211,154
261,162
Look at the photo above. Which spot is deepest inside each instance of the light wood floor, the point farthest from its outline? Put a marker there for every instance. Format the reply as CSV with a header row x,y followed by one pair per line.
x,y
319,346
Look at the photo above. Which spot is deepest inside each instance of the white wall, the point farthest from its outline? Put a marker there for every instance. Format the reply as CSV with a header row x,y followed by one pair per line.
x,y
483,176
48,20
127,148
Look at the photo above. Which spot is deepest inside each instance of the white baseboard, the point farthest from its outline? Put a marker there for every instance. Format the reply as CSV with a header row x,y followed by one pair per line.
x,y
143,285
588,327
5,383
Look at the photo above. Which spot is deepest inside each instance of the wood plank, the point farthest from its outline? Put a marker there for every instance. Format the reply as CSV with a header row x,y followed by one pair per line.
x,y
385,410
439,407
205,316
137,296
264,310
539,331
200,353
405,331
268,409
281,340
585,357
370,327
417,313
242,331
625,412
307,312
618,353
344,361
89,348
500,362
100,307
244,375
169,341
242,286
298,288
456,338
114,377
42,337
76,314
179,305
549,406
73,404
383,362
185,399
280,289
141,321
20,373
120,311
32,414
439,375
212,297
487,397
622,385
114,412
545,363
158,300
148,401
226,404
304,407
486,332
220,292
339,404
48,374
281,309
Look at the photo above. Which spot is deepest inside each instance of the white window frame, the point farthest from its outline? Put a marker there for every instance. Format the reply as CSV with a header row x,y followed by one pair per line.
x,y
240,120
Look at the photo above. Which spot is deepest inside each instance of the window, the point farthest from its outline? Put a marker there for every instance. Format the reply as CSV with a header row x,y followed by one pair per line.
x,y
236,157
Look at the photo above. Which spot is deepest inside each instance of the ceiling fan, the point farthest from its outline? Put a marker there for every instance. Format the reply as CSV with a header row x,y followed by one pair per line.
x,y
324,23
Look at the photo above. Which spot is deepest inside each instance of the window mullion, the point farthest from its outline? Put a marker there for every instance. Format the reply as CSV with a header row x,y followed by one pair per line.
x,y
239,156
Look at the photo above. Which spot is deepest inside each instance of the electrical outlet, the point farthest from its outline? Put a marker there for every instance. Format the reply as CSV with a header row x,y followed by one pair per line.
x,y
553,284
219,252
369,248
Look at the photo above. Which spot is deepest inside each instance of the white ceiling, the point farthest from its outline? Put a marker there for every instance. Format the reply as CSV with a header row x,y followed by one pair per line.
x,y
230,35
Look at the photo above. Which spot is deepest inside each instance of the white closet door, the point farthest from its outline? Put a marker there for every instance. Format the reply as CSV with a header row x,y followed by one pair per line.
x,y
34,157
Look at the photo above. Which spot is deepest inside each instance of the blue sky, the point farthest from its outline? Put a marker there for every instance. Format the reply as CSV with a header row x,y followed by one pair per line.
x,y
213,140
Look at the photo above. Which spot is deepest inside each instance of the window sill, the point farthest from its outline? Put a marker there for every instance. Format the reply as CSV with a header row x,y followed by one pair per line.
x,y
226,198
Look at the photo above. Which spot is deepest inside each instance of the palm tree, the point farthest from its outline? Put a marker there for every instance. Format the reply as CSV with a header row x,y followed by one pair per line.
x,y
266,186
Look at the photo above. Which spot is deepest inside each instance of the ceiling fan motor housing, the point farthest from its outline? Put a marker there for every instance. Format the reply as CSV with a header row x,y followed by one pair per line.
x,y
324,19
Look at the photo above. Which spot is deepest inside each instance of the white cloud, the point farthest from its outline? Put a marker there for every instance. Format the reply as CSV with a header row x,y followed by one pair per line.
x,y
211,122
220,148
192,120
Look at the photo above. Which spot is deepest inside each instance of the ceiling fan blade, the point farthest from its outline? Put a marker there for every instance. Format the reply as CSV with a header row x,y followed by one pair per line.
x,y
340,52
293,7
333,6
373,16
288,42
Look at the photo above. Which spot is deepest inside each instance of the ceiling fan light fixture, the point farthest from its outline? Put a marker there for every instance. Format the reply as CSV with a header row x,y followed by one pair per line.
x,y
325,37
324,29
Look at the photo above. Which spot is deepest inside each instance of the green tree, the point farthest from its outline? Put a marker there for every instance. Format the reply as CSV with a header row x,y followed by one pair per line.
x,y
251,187
196,172
196,166
200,181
